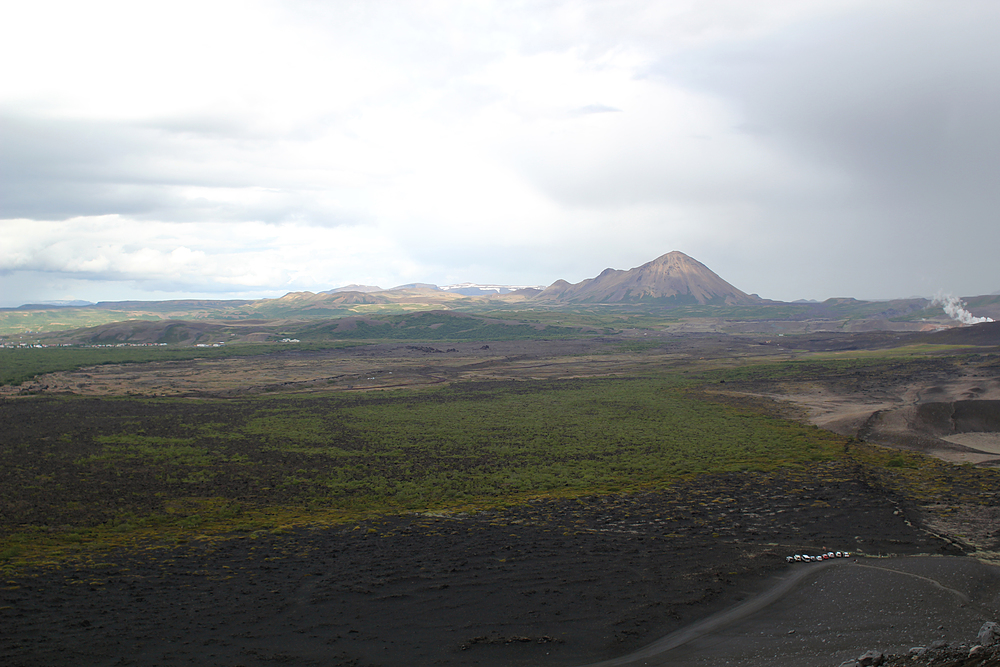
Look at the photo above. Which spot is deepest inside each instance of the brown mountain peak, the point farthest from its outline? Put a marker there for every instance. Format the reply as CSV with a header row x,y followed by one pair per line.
x,y
673,278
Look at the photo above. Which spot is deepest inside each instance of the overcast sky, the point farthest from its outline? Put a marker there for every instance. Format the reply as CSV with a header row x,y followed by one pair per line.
x,y
799,148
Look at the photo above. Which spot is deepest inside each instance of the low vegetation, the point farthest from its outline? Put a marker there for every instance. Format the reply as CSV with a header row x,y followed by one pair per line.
x,y
78,470
78,474
436,325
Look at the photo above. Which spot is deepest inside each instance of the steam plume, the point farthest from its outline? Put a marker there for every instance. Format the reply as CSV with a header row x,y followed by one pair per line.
x,y
955,308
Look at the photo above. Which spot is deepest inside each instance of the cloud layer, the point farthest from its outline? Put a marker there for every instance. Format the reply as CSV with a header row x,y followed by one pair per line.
x,y
800,149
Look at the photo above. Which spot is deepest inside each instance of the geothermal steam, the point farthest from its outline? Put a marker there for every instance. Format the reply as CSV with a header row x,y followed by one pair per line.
x,y
955,308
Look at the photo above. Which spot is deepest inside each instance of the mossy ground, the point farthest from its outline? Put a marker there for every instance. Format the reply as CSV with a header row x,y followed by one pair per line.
x,y
97,470
79,474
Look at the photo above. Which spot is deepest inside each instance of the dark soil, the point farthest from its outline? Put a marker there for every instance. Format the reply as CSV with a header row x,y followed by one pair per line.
x,y
555,582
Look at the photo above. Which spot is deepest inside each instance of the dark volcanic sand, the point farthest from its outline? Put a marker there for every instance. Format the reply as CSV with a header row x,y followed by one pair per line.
x,y
824,614
551,583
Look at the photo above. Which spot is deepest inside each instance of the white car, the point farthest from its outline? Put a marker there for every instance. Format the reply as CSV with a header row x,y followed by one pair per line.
x,y
805,558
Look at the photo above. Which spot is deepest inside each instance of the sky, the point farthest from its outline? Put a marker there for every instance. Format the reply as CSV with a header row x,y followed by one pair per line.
x,y
801,149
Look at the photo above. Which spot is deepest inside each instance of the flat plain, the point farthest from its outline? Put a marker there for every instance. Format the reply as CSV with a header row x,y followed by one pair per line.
x,y
495,502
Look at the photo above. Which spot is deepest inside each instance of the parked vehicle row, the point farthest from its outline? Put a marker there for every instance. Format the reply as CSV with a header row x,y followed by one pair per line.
x,y
802,558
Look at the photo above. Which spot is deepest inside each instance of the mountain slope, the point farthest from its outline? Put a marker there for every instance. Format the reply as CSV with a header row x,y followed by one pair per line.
x,y
671,278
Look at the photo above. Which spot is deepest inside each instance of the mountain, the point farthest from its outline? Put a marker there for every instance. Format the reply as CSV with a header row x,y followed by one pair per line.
x,y
673,278
185,305
43,305
465,289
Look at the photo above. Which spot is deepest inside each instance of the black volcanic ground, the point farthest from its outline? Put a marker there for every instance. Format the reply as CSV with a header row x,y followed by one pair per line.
x,y
552,583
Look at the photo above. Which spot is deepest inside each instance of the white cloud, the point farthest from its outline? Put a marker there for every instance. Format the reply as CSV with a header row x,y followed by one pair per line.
x,y
208,257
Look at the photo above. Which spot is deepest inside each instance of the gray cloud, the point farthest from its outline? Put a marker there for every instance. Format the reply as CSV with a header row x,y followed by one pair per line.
x,y
54,169
57,168
899,100
802,149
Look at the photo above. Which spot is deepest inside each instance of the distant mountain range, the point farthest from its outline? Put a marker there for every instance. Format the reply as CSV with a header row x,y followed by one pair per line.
x,y
465,289
671,279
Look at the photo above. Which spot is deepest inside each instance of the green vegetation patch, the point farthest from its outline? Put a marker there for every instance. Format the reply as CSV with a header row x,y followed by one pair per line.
x,y
77,464
568,435
154,450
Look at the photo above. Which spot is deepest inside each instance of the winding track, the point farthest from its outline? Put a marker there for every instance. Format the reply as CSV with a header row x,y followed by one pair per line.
x,y
784,586
720,619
